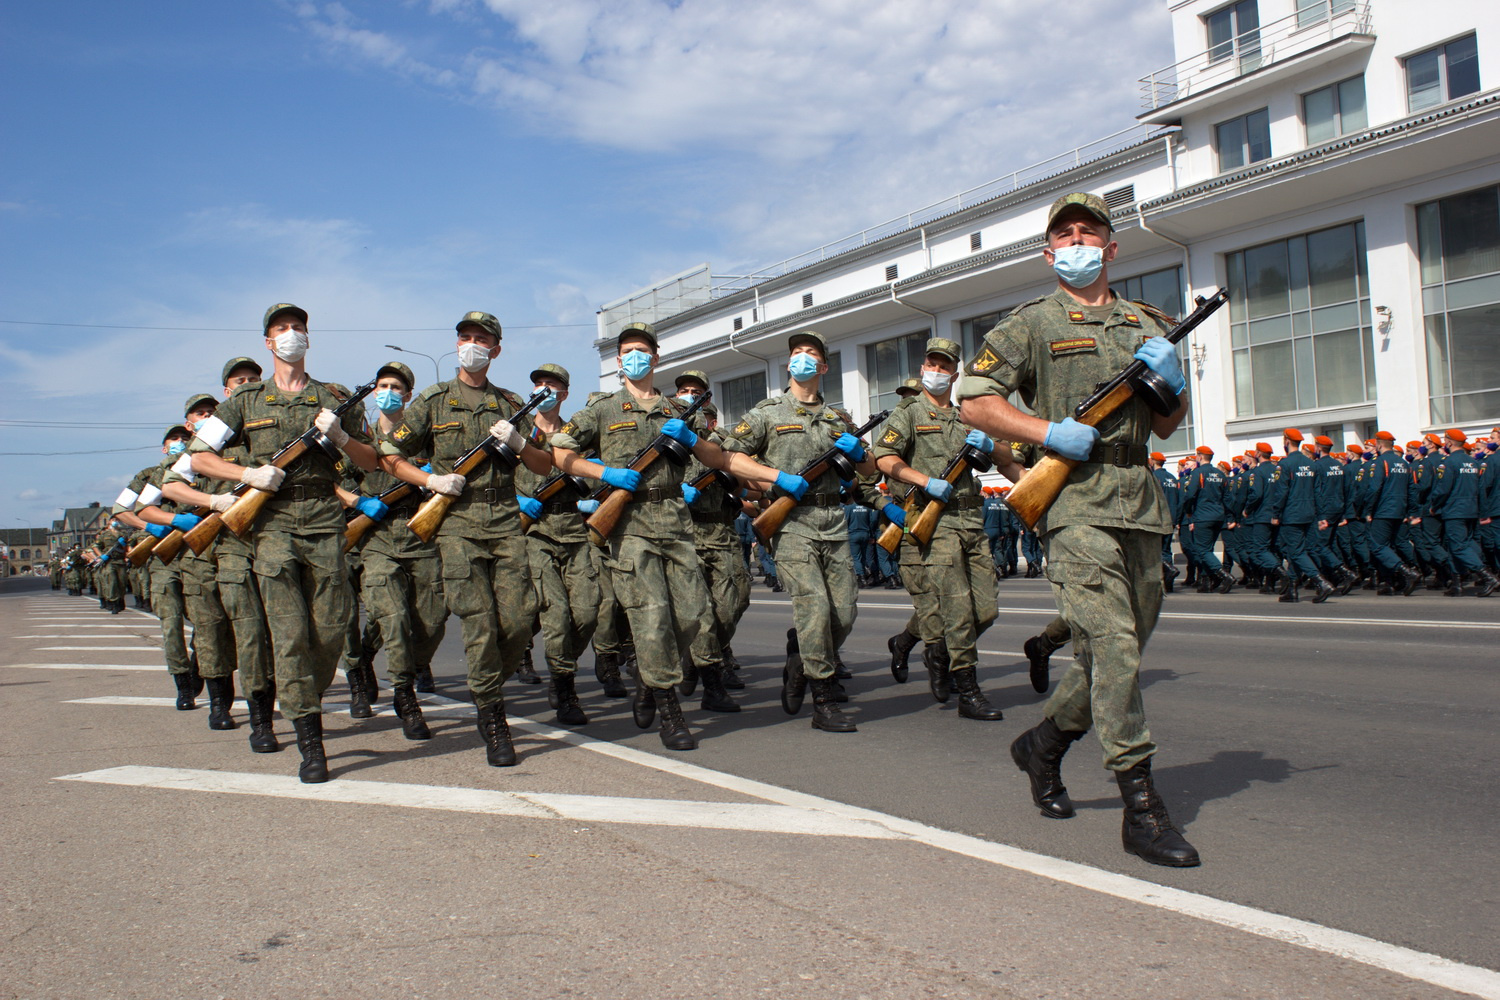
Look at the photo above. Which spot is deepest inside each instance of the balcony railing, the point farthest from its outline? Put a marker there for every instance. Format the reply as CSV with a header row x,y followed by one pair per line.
x,y
1315,23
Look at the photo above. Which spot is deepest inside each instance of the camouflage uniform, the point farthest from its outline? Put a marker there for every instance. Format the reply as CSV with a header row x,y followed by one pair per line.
x,y
166,579
726,578
563,572
109,578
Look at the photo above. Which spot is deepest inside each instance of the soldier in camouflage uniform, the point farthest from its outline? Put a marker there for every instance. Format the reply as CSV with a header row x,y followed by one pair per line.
x,y
486,577
653,565
109,562
298,538
1102,534
920,438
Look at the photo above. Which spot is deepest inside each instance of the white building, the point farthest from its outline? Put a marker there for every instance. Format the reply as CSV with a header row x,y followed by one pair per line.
x,y
1335,164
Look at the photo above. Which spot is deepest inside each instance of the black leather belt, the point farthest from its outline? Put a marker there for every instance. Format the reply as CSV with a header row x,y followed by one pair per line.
x,y
966,503
304,491
821,500
559,507
488,497
656,495
727,517
1121,454
406,511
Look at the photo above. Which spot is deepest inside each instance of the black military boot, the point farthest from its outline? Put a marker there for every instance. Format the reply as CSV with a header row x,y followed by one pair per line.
x,y
827,715
642,706
185,695
674,731
495,731
689,682
793,683
716,697
1205,582
839,670
409,711
359,698
197,678
527,674
569,711
1039,650
425,682
607,673
1147,830
935,659
220,701
1039,753
1325,590
1290,595
372,684
314,769
1224,582
901,644
1486,584
731,672
1348,579
1411,579
972,704
1168,576
262,735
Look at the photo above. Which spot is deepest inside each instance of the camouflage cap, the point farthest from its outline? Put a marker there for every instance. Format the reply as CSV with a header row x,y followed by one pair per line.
x,y
176,430
278,309
552,371
399,370
812,337
910,387
196,398
637,329
692,375
709,410
483,320
1089,203
233,363
947,348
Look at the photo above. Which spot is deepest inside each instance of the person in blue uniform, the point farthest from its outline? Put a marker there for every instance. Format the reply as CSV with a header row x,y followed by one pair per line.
x,y
1293,511
1204,514
1455,501
1386,496
1172,489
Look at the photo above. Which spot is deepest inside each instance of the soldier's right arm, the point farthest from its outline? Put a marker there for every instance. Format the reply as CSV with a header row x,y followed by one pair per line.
x,y
1003,365
576,438
411,439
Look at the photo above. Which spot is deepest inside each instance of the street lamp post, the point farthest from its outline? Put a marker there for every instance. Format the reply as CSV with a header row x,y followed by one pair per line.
x,y
437,375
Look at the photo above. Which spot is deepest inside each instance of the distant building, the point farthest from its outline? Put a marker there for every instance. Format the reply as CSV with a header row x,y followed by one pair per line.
x,y
79,526
22,550
1333,163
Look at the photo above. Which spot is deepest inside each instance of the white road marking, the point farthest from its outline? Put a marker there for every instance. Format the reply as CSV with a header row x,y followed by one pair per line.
x,y
85,666
69,627
756,816
88,649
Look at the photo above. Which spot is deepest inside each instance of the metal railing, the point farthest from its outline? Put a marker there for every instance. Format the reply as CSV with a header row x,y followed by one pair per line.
x,y
1314,23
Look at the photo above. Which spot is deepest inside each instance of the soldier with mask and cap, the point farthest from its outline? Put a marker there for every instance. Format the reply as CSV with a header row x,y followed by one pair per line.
x,y
299,536
1102,533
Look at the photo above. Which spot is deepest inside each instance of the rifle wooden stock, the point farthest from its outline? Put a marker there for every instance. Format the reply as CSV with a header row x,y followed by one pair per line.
x,y
248,507
926,523
892,533
774,516
167,549
612,502
141,550
360,525
543,494
1034,494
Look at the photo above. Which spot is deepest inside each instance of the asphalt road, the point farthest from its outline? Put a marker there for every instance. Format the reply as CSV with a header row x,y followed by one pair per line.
x,y
1330,763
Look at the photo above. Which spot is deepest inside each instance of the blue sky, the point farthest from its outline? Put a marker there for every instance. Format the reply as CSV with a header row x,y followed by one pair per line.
x,y
392,165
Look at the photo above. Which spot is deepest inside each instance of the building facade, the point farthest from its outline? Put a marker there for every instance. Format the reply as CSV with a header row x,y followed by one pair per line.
x,y
1334,164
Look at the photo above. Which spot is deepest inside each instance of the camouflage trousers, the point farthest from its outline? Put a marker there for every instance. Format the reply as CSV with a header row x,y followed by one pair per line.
x,y
403,597
110,578
1057,633
213,641
487,584
727,581
1108,586
140,582
820,577
568,597
612,631
240,595
166,604
660,585
359,642
306,595
961,577
925,622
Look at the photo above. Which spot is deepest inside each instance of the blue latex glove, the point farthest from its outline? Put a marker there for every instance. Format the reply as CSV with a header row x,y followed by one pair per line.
x,y
103,559
587,506
531,507
159,530
622,479
372,508
427,468
1070,439
1161,357
185,522
938,489
678,430
980,440
849,445
688,493
894,513
793,486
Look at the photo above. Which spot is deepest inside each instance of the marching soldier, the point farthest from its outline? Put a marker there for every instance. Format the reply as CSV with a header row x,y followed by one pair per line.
x,y
1204,514
1386,500
1171,488
1328,504
1455,501
1293,511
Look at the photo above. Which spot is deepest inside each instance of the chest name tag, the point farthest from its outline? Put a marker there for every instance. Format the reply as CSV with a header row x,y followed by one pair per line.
x,y
624,425
790,429
450,425
253,425
1073,345
928,428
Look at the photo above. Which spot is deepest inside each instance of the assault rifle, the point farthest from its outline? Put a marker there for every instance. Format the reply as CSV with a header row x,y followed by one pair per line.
x,y
892,533
612,501
141,551
1035,493
550,489
771,519
968,457
359,525
429,517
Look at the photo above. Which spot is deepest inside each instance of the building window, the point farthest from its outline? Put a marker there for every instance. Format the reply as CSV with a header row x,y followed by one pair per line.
x,y
737,395
1444,73
972,331
1311,12
1163,289
1299,321
891,362
1235,31
1243,140
1335,110
833,381
1458,246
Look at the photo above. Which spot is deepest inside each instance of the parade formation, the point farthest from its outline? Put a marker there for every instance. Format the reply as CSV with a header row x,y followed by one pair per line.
x,y
629,525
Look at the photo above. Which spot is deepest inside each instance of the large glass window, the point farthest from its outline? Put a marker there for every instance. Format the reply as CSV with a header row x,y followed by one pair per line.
x,y
1163,289
1299,322
1314,11
1336,110
833,381
1444,73
891,362
1243,140
972,331
1458,245
737,395
1235,31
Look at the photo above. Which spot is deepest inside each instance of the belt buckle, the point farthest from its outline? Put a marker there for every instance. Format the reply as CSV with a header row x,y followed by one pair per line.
x,y
1122,455
491,496
299,493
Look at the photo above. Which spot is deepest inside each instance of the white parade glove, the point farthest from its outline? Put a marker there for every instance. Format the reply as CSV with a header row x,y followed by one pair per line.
x,y
507,435
263,477
450,485
328,422
221,502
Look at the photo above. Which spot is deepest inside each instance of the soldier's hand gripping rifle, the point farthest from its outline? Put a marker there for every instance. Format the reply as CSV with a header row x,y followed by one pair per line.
x,y
549,489
1034,494
250,501
429,517
771,519
968,458
360,524
612,501
141,550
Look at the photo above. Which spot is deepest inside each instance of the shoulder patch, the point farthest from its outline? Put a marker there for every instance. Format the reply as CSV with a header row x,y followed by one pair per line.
x,y
742,428
986,362
401,433
432,390
569,428
891,436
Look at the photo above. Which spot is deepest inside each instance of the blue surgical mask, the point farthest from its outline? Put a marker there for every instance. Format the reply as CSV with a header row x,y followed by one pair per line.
x,y
686,397
802,366
388,400
1078,265
635,364
550,403
176,447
